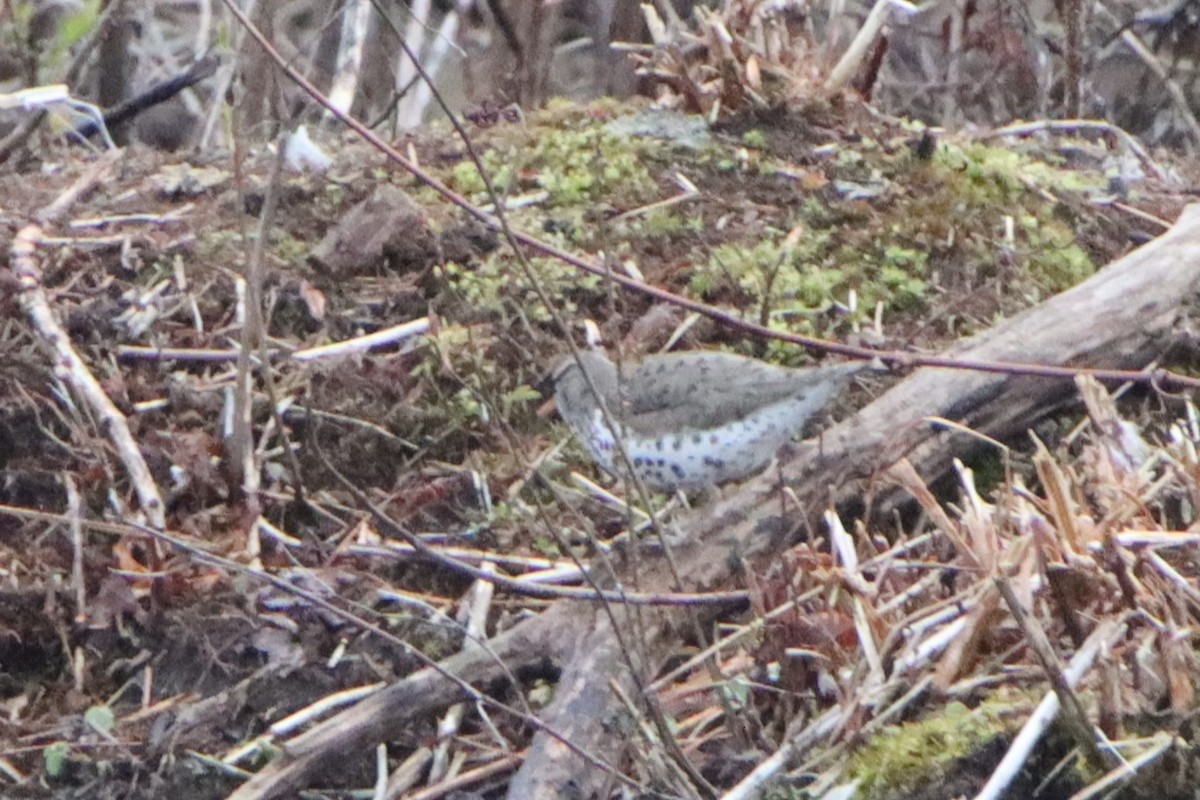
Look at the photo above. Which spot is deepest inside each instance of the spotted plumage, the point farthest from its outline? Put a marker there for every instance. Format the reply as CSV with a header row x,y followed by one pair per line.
x,y
691,420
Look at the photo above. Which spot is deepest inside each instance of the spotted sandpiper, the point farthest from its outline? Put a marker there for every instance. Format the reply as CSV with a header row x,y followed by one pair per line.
x,y
691,420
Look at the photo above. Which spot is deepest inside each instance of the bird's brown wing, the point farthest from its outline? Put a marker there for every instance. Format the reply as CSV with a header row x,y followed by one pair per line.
x,y
706,390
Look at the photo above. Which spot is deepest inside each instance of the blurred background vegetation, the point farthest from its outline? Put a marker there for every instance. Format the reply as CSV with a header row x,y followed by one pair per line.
x,y
951,63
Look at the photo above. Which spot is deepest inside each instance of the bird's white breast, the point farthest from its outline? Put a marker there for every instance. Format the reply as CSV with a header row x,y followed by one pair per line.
x,y
700,458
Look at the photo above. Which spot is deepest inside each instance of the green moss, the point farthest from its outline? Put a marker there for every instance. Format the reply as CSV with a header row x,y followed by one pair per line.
x,y
798,283
576,165
666,222
901,272
522,395
331,200
907,289
465,178
904,758
219,246
908,259
56,755
467,405
288,249
1012,172
495,287
754,138
547,547
1054,258
574,162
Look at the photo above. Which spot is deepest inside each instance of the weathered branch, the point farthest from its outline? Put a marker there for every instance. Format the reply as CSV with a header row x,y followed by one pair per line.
x,y
68,364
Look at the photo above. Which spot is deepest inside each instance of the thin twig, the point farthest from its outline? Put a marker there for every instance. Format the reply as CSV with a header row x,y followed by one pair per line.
x,y
1073,711
1105,634
31,295
473,618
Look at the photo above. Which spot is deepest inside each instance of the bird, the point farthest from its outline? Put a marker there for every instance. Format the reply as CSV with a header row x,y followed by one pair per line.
x,y
691,419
